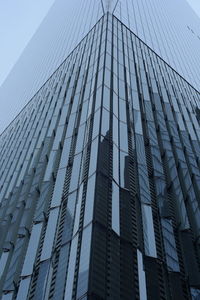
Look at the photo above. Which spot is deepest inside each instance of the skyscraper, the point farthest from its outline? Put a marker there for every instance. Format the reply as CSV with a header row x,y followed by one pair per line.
x,y
100,173
169,27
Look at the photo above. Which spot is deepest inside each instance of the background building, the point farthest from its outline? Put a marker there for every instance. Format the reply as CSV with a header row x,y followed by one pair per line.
x,y
169,27
100,177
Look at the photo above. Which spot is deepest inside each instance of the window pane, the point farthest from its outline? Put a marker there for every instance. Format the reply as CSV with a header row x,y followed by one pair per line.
x,y
148,231
69,218
89,202
93,156
141,277
124,170
83,276
105,122
116,164
115,131
3,262
115,209
78,210
170,246
123,137
96,124
23,289
32,250
61,272
71,269
50,234
58,190
75,173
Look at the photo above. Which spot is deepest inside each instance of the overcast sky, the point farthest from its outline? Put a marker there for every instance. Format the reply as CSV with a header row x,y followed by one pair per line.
x,y
195,5
19,19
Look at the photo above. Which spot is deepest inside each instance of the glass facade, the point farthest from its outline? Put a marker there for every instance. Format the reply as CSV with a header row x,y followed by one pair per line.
x,y
169,27
100,178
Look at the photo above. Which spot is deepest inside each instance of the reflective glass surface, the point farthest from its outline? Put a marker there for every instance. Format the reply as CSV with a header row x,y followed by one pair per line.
x,y
99,176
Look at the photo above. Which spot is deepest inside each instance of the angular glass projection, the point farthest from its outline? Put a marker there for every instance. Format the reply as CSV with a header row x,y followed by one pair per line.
x,y
100,178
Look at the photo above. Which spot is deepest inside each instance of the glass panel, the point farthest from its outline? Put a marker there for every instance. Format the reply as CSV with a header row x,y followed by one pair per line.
x,y
43,201
122,87
61,272
106,98
71,269
3,262
42,280
75,173
69,218
50,234
32,250
84,112
122,110
96,124
64,114
78,210
58,190
50,165
23,289
144,184
80,139
58,137
93,156
141,277
14,264
105,122
65,153
89,202
137,122
70,126
90,106
115,105
8,296
148,231
170,245
123,137
115,131
115,209
116,164
124,170
83,276
195,294
98,98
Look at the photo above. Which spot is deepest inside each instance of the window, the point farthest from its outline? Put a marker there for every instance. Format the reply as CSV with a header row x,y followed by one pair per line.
x,y
78,210
89,202
75,173
141,277
83,275
71,269
115,209
148,231
50,234
93,156
23,289
32,249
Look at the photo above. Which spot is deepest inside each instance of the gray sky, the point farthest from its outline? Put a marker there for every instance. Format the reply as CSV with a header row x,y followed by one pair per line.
x,y
195,5
19,19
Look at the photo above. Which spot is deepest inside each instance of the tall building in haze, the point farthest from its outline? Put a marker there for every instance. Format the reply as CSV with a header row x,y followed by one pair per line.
x,y
100,171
